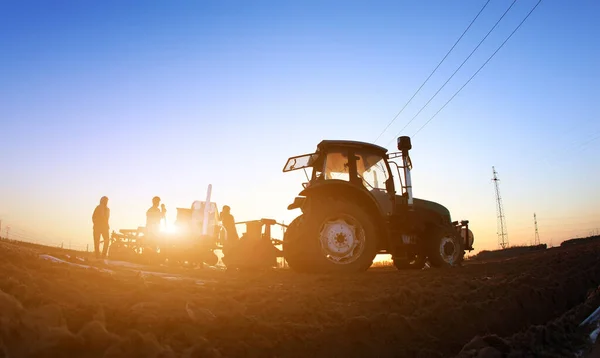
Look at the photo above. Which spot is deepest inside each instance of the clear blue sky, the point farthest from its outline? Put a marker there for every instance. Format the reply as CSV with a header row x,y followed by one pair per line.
x,y
141,98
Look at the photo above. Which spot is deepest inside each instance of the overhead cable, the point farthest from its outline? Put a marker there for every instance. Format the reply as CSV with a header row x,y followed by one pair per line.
x,y
434,70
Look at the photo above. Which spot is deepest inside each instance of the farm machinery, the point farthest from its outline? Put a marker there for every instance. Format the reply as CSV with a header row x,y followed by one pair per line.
x,y
197,234
182,245
351,212
256,248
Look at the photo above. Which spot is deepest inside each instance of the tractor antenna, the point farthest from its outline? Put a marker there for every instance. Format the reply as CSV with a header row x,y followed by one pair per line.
x,y
502,233
536,241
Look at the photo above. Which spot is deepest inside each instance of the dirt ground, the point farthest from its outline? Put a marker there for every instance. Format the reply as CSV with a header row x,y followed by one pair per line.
x,y
526,306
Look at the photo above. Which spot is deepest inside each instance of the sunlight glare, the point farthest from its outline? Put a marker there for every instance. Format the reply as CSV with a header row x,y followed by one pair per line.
x,y
168,229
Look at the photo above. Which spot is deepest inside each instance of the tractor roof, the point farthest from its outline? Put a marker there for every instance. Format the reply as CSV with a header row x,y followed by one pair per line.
x,y
326,145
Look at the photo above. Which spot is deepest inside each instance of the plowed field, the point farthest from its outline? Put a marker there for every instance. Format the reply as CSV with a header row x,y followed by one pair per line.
x,y
532,304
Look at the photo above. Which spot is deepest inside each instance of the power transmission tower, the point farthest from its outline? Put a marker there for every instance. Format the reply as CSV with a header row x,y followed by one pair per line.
x,y
502,233
536,241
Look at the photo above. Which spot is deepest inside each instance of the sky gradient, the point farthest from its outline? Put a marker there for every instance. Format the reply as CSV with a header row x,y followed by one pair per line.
x,y
136,99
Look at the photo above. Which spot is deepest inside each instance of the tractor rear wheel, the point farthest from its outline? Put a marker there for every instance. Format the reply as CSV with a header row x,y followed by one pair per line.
x,y
446,248
333,236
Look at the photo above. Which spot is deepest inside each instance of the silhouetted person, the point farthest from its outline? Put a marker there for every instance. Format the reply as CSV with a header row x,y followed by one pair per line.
x,y
154,215
230,244
229,225
100,219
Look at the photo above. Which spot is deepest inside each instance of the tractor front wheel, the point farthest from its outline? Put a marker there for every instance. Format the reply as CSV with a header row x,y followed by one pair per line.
x,y
333,236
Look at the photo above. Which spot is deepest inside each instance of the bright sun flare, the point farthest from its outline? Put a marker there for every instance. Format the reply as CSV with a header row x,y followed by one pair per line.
x,y
170,229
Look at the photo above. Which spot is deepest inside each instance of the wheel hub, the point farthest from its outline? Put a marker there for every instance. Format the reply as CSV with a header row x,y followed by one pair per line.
x,y
342,240
447,249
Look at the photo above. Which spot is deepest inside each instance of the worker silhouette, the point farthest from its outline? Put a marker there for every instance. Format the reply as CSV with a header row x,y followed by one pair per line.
x,y
100,218
230,244
154,215
229,225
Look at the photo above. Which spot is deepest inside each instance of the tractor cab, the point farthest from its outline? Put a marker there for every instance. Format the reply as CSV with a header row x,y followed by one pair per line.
x,y
364,166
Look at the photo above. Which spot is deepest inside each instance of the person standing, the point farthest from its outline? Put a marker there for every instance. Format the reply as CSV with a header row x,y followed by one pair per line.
x,y
229,224
230,253
100,218
154,215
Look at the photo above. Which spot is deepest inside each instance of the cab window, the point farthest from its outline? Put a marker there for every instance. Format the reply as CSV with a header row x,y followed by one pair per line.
x,y
373,171
335,166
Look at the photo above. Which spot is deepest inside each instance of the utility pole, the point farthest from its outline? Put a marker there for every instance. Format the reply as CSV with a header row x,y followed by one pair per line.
x,y
501,231
536,241
7,231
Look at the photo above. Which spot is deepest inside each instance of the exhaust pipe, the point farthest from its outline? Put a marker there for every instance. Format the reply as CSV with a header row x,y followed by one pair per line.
x,y
404,145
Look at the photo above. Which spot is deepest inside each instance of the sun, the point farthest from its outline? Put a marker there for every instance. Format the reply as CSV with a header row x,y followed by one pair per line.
x,y
168,229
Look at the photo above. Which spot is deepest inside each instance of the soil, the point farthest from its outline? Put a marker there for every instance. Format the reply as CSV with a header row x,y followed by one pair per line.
x,y
585,240
507,253
524,306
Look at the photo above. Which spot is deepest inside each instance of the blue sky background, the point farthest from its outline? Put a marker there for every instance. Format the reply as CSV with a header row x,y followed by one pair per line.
x,y
132,99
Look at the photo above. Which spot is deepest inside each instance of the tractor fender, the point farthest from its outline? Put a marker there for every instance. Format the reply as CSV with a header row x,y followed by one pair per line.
x,y
298,202
343,189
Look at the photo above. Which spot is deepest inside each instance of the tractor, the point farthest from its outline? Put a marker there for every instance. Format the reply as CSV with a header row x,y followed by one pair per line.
x,y
351,212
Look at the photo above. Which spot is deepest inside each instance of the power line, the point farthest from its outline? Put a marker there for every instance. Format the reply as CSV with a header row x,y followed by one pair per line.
x,y
577,144
458,69
584,145
573,149
480,68
434,70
